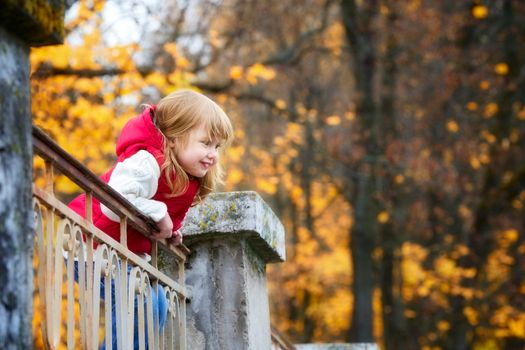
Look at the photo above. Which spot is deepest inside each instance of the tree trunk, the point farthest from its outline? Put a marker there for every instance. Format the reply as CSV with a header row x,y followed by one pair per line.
x,y
358,21
362,245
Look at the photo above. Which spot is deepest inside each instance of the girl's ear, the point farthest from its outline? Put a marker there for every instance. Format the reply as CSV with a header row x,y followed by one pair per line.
x,y
172,143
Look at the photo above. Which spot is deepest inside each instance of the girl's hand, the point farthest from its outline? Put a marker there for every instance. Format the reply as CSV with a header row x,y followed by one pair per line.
x,y
165,228
176,238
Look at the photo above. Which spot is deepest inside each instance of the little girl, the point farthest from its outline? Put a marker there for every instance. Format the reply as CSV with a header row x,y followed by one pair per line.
x,y
167,160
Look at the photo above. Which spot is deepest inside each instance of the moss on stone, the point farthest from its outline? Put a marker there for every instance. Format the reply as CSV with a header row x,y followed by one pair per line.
x,y
39,22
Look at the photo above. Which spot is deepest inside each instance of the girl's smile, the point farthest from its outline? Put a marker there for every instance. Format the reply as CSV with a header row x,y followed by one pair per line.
x,y
200,153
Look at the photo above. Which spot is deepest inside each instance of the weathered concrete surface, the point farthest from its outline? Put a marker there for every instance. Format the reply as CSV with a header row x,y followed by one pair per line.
x,y
22,23
335,346
241,214
15,195
232,236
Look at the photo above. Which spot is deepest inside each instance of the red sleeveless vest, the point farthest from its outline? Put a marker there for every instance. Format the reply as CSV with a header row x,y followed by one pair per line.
x,y
140,134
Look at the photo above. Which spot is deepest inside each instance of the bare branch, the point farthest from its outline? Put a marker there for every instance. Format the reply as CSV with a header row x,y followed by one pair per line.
x,y
45,70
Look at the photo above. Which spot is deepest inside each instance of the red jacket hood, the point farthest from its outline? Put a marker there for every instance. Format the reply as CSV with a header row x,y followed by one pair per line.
x,y
140,133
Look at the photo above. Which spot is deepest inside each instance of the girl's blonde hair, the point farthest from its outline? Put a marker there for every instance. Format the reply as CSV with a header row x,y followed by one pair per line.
x,y
175,116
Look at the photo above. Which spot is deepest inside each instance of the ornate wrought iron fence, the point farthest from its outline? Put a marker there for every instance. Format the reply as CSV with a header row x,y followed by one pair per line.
x,y
69,246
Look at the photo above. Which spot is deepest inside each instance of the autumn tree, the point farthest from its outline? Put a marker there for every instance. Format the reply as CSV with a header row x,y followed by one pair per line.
x,y
387,135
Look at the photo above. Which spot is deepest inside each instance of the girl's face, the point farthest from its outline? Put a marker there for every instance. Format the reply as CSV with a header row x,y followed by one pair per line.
x,y
200,153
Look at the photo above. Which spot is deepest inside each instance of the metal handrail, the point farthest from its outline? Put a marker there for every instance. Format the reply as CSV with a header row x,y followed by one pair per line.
x,y
49,150
60,232
280,341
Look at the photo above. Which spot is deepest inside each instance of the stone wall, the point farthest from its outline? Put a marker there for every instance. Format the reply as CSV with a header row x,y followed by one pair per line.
x,y
23,23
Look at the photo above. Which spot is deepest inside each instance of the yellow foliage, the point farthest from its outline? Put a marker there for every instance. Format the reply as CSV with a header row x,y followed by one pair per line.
x,y
497,268
521,113
471,314
399,179
236,72
501,68
296,193
484,85
509,236
158,80
414,251
446,267
64,185
294,132
334,38
265,185
490,110
413,273
251,79
464,212
517,326
334,310
280,104
489,137
236,153
350,116
452,126
472,106
383,217
171,48
443,326
480,11
474,162
410,313
333,120
260,71
234,176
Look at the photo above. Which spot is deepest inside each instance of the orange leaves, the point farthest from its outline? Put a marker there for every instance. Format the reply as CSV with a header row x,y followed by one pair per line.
x,y
508,237
490,110
521,113
452,126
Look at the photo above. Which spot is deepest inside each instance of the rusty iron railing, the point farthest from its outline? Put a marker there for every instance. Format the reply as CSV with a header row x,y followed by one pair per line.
x,y
65,239
280,341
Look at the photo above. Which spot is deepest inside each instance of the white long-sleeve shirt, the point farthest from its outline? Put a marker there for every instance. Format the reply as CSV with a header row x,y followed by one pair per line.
x,y
136,178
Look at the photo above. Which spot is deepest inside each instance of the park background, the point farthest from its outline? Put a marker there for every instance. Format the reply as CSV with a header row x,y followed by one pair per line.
x,y
388,136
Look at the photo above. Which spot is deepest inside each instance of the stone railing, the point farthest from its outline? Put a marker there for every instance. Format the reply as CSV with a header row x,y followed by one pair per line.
x,y
69,248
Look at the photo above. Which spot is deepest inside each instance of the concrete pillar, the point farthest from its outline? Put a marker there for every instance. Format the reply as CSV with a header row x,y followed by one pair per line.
x,y
232,237
23,23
